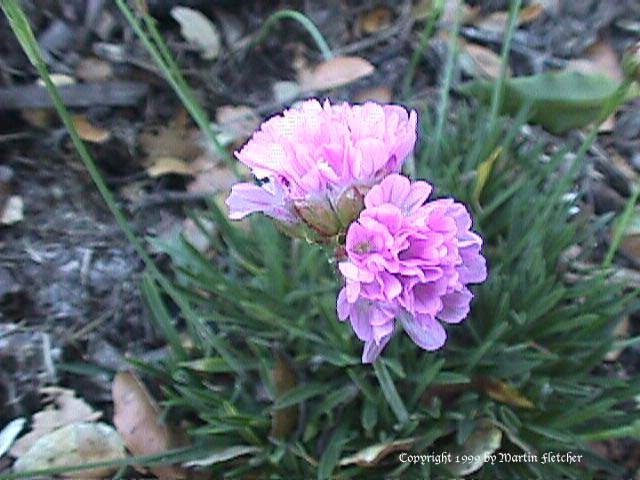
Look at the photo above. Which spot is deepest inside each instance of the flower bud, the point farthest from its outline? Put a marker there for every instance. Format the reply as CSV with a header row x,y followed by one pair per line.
x,y
349,205
631,63
319,216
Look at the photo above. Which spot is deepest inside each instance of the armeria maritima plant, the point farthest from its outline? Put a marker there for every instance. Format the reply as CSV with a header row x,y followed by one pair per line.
x,y
334,169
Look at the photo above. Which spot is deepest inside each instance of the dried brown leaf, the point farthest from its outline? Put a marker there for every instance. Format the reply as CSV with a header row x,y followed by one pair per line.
x,y
502,392
136,419
334,73
169,165
198,30
622,331
12,211
175,140
376,20
238,121
74,444
372,455
478,61
283,421
530,13
66,409
88,132
381,94
497,21
94,70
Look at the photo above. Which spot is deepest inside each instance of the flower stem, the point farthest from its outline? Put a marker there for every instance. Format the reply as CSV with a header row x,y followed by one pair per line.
x,y
309,26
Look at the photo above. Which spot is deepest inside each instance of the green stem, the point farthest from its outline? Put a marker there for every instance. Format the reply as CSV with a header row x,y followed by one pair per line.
x,y
427,33
309,26
632,431
498,90
433,148
161,55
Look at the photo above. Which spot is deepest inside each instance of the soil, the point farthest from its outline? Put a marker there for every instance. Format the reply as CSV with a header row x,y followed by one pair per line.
x,y
69,280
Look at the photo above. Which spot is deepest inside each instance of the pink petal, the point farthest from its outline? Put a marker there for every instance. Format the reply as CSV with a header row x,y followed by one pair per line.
x,y
246,198
425,331
372,349
455,306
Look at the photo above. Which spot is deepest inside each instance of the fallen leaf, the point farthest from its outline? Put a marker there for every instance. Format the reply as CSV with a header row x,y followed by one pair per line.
x,y
504,393
94,70
136,417
58,79
285,420
66,409
13,211
600,58
622,331
285,91
237,121
497,21
169,165
39,117
372,455
530,13
211,178
9,434
334,73
376,20
494,22
479,61
174,140
89,132
198,30
379,94
424,9
44,117
74,444
484,440
195,236
630,243
223,455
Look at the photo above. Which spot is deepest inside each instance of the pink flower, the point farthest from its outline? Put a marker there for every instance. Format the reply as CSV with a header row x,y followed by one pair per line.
x,y
317,161
408,260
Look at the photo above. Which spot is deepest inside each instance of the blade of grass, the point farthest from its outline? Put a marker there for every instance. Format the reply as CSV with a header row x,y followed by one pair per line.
x,y
498,89
433,147
390,392
427,33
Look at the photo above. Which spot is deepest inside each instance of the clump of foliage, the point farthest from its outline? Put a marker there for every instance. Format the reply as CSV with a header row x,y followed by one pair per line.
x,y
270,366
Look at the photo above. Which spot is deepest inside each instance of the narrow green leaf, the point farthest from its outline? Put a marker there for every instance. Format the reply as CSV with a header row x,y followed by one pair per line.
x,y
332,452
299,394
390,392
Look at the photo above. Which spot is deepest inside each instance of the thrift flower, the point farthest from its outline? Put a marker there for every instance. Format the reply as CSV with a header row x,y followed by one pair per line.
x,y
317,161
408,260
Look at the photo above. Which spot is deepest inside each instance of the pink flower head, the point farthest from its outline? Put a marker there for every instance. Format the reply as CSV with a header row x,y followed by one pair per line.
x,y
318,160
408,260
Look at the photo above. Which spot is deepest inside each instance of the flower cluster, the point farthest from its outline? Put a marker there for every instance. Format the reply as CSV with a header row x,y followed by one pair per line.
x,y
334,170
409,260
318,160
